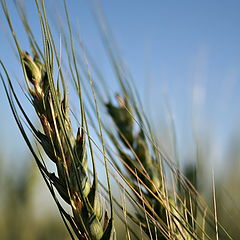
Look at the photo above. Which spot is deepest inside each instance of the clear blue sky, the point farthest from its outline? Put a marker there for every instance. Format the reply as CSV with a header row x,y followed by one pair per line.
x,y
187,51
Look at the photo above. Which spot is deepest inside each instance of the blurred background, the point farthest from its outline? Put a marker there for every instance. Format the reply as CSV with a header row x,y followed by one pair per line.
x,y
184,57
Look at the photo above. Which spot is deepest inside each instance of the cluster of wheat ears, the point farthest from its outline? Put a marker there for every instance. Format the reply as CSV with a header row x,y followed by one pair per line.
x,y
159,201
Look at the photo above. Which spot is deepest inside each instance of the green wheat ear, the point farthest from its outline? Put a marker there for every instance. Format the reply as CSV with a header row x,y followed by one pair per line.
x,y
123,119
66,152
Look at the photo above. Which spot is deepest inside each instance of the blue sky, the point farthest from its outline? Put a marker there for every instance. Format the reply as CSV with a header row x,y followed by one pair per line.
x,y
185,51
